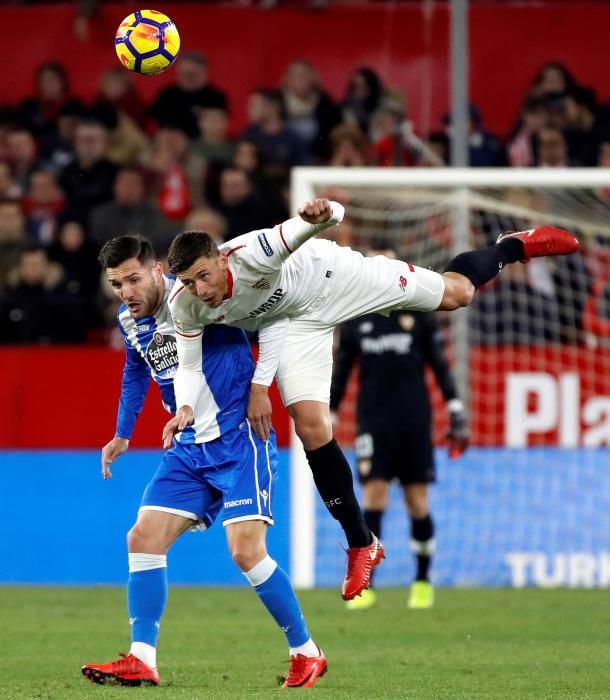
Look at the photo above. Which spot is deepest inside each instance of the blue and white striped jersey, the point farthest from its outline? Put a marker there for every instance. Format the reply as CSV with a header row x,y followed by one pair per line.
x,y
150,347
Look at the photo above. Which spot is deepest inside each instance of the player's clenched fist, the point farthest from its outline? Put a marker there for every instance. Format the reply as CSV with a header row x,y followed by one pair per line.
x,y
316,211
182,419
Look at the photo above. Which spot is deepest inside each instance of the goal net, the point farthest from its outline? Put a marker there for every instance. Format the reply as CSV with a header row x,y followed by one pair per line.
x,y
528,503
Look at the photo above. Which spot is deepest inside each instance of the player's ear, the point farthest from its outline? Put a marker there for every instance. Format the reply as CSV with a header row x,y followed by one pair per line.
x,y
223,261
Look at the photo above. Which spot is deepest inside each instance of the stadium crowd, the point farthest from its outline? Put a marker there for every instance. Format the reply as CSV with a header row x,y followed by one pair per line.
x,y
75,174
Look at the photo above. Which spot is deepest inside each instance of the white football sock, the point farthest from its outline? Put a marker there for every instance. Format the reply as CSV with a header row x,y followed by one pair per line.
x,y
144,652
310,648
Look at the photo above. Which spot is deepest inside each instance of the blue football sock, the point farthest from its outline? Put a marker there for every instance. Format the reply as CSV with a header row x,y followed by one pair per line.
x,y
273,587
146,595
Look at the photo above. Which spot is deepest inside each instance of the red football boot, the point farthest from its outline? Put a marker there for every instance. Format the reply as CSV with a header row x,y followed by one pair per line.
x,y
304,671
360,563
128,670
544,240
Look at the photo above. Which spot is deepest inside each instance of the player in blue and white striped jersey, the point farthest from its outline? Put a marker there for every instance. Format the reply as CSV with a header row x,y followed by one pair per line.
x,y
216,467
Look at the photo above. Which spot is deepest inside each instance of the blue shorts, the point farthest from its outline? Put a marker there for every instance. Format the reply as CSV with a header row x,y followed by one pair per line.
x,y
234,474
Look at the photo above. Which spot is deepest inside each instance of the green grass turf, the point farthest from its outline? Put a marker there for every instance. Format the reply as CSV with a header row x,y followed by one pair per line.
x,y
220,643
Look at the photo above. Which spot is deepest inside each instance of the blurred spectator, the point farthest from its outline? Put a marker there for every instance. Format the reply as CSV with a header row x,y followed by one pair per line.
x,y
22,155
243,210
175,106
52,93
521,147
209,221
394,143
13,237
213,147
58,149
89,179
178,173
438,143
484,149
130,214
8,187
37,307
583,132
116,88
512,311
280,147
552,78
348,146
363,98
248,157
551,148
42,205
310,112
78,257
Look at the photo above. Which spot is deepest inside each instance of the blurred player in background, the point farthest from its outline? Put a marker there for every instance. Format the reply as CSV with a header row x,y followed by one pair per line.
x,y
394,422
294,292
216,467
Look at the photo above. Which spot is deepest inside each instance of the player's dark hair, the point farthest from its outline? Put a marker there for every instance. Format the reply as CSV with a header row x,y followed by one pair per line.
x,y
117,250
188,247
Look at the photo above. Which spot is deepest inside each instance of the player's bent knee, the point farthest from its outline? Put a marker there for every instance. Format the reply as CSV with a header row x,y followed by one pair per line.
x,y
459,291
247,553
313,431
143,539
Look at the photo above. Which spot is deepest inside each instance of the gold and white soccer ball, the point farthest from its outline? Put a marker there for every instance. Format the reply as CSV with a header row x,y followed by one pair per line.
x,y
147,42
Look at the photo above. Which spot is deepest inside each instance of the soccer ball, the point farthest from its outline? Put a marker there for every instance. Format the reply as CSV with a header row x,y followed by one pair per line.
x,y
147,42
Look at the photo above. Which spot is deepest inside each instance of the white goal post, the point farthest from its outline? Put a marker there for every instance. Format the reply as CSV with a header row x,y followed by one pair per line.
x,y
486,199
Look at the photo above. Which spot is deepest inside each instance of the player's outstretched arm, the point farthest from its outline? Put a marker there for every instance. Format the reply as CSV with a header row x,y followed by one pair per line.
x,y
267,249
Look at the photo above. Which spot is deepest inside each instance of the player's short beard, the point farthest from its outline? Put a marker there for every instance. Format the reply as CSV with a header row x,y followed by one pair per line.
x,y
152,299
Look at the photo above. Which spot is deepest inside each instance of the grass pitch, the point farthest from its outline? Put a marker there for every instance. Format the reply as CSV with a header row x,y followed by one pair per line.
x,y
220,643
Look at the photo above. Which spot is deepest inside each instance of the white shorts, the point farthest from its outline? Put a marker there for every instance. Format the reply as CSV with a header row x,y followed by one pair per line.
x,y
357,286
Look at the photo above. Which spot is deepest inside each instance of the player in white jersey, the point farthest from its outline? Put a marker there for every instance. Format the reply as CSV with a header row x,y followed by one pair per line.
x,y
295,291
216,469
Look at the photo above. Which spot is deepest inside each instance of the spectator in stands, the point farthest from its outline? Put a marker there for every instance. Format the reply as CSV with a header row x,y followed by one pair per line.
x,y
551,148
126,142
348,146
552,78
128,213
176,105
583,132
178,173
116,88
214,147
209,221
280,147
363,98
78,257
22,155
42,205
394,142
8,187
37,307
13,237
241,207
52,93
58,149
88,181
520,148
512,310
248,157
484,149
310,112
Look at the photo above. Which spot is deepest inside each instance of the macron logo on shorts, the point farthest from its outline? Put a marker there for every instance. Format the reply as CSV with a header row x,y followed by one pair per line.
x,y
238,502
267,249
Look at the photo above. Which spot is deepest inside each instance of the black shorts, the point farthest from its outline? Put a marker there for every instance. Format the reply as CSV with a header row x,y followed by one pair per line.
x,y
404,455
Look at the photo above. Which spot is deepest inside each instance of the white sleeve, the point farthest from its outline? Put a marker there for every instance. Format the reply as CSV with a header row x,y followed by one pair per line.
x,y
270,343
268,248
188,380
